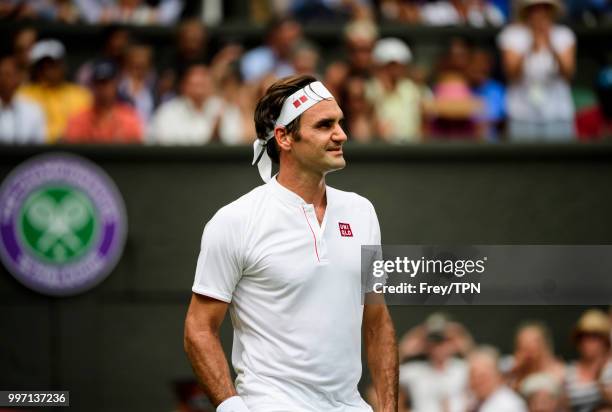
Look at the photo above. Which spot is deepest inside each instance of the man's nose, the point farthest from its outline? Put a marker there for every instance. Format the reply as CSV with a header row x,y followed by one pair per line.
x,y
339,135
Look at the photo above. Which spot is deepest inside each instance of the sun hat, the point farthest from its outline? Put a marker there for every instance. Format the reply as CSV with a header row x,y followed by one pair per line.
x,y
523,5
593,322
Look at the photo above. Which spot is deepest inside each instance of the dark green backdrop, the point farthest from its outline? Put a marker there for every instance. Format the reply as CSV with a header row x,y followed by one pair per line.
x,y
118,347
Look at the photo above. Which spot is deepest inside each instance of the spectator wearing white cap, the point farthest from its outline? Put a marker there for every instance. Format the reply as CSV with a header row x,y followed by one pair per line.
x,y
539,59
397,100
58,98
21,121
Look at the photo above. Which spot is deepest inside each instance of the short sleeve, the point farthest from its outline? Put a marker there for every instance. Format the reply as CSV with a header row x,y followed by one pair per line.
x,y
219,266
374,227
515,38
562,38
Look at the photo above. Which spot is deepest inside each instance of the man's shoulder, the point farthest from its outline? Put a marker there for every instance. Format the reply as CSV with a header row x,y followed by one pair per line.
x,y
173,106
239,210
350,199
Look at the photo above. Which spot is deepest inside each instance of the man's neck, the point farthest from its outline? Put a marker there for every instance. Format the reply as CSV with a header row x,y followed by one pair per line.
x,y
309,186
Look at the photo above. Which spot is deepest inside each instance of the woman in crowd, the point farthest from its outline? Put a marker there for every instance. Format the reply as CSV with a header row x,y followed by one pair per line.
x,y
539,59
533,353
588,383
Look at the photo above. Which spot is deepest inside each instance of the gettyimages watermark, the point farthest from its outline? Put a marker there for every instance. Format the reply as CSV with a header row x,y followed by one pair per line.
x,y
487,274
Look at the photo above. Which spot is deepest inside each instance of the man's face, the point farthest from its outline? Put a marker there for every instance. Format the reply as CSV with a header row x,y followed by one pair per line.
x,y
105,92
483,376
52,72
197,85
360,53
9,77
319,148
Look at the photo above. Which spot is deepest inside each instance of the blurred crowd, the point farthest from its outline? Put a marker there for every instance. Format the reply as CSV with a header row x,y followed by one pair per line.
x,y
443,369
129,91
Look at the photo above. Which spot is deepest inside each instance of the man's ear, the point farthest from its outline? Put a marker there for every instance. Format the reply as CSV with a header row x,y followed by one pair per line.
x,y
283,139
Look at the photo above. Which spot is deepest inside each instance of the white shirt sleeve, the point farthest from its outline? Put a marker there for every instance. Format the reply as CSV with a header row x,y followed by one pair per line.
x,y
515,38
219,265
374,227
562,38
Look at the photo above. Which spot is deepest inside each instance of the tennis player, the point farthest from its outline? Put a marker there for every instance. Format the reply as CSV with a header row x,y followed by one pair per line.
x,y
285,260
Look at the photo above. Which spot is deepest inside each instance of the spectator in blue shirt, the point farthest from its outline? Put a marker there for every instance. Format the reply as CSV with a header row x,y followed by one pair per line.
x,y
490,91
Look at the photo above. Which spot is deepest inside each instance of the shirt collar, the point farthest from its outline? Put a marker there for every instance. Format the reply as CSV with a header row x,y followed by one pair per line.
x,y
286,195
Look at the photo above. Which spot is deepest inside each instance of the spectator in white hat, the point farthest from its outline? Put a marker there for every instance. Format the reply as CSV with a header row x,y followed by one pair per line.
x,y
539,59
397,100
58,98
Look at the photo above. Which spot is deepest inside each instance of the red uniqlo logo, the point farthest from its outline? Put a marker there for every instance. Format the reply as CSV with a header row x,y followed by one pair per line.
x,y
297,103
345,229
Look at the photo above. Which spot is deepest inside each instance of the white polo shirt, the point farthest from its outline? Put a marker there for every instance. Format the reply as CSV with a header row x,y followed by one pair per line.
x,y
294,288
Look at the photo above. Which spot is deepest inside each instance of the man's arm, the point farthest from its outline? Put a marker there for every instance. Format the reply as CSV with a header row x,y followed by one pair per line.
x,y
381,350
203,347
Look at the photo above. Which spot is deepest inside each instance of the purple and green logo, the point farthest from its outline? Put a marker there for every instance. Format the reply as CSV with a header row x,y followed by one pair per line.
x,y
62,224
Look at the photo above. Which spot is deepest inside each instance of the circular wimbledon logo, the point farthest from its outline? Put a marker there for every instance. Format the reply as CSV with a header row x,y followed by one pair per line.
x,y
62,224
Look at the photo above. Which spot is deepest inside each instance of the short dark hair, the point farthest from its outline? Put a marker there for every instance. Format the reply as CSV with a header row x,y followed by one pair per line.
x,y
269,107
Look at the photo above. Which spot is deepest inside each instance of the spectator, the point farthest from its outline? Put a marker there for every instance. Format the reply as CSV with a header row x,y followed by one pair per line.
x,y
453,111
439,382
588,384
190,48
107,120
477,13
138,80
542,393
358,111
23,41
196,116
487,386
360,37
533,353
116,41
21,121
397,100
539,61
129,11
58,98
305,58
273,57
491,92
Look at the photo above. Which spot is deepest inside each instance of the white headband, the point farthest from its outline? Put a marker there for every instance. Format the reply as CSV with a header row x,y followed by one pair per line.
x,y
294,106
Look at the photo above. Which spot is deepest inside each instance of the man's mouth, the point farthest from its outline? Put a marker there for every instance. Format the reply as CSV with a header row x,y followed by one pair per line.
x,y
337,150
